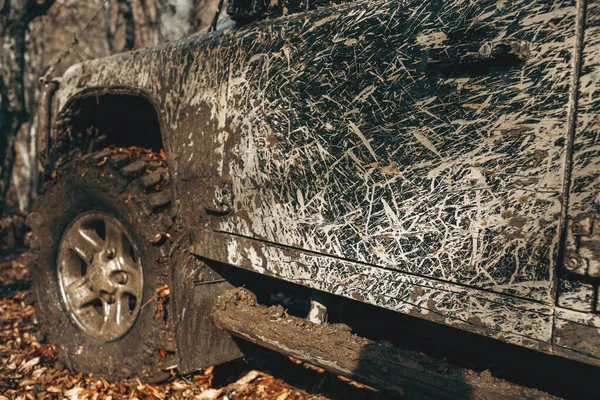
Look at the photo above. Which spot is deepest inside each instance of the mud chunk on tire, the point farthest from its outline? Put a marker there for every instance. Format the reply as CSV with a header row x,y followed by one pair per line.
x,y
134,169
100,156
119,160
149,181
160,200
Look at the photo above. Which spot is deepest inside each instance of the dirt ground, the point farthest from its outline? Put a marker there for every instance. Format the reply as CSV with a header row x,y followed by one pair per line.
x,y
29,368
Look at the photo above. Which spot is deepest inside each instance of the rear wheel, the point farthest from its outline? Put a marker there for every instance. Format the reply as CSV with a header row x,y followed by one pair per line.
x,y
101,236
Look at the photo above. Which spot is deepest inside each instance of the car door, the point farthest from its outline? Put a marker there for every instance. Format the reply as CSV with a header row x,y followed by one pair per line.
x,y
420,136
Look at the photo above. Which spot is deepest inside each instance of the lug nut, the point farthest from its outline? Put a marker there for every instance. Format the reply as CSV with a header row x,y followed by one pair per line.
x,y
111,253
121,278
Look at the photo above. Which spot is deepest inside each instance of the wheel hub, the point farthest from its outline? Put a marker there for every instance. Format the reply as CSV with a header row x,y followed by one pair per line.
x,y
100,276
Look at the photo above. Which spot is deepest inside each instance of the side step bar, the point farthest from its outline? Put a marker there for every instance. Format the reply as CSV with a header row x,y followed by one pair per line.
x,y
333,347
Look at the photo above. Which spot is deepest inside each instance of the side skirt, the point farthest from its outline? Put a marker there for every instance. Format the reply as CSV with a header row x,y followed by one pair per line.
x,y
408,374
510,319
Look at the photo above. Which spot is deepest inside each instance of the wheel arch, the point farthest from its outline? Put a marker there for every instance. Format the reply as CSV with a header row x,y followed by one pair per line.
x,y
100,117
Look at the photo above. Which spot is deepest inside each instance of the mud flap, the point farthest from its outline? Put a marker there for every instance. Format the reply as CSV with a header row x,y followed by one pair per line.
x,y
199,342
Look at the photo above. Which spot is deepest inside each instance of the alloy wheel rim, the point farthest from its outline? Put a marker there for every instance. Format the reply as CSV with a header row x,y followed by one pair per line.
x,y
100,276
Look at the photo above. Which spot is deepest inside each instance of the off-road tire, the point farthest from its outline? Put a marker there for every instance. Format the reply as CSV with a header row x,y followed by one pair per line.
x,y
133,186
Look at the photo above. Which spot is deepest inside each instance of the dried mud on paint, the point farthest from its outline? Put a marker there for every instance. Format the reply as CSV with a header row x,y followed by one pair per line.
x,y
29,369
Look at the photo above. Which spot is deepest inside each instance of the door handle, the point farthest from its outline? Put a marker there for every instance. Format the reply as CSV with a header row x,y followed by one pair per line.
x,y
519,49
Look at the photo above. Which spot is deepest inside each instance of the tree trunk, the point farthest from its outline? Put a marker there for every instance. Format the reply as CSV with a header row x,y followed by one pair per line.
x,y
15,16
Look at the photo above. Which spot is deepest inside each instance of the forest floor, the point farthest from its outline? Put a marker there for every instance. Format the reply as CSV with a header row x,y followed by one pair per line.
x,y
29,368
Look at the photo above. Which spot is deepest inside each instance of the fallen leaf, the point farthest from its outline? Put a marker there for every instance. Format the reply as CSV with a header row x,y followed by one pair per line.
x,y
160,309
314,368
27,382
29,364
38,372
356,384
157,238
73,392
249,377
163,291
210,394
283,396
179,386
102,162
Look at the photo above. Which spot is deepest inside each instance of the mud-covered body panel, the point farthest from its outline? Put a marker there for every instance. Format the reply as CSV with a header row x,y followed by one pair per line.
x,y
361,136
370,150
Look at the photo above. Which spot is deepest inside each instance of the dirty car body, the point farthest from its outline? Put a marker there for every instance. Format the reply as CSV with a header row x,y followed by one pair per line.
x,y
433,158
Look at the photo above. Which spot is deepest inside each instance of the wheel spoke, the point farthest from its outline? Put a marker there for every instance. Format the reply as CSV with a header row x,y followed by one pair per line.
x,y
111,318
85,242
79,294
114,238
116,314
127,265
131,287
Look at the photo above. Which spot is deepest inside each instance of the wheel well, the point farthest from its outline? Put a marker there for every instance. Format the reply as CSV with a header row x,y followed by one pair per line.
x,y
96,121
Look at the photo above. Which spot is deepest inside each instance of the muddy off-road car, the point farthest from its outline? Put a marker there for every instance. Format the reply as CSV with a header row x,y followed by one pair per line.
x,y
438,159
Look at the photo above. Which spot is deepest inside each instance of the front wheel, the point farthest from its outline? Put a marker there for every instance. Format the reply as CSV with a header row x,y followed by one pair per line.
x,y
101,277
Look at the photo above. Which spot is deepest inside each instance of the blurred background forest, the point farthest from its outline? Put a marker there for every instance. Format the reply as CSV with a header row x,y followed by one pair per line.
x,y
32,34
